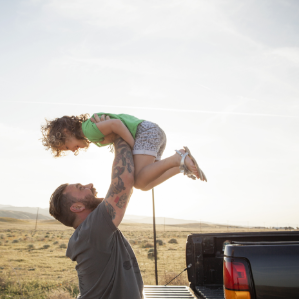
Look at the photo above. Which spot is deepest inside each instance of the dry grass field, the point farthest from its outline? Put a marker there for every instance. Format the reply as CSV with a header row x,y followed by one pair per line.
x,y
33,263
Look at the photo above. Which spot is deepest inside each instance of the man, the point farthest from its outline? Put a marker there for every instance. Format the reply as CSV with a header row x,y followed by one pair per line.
x,y
106,264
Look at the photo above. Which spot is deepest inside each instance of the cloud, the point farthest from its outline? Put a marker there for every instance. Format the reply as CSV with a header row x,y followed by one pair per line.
x,y
289,53
17,139
228,111
171,19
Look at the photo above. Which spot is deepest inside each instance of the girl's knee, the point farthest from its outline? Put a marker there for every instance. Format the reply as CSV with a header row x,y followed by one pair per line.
x,y
140,186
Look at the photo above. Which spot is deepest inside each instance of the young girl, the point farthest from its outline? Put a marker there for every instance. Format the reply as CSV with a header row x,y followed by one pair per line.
x,y
147,140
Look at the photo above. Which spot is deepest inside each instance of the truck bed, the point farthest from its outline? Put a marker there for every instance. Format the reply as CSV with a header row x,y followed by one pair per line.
x,y
169,292
181,292
205,253
209,292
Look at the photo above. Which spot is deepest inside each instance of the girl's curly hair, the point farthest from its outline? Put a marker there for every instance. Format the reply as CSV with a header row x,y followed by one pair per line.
x,y
54,132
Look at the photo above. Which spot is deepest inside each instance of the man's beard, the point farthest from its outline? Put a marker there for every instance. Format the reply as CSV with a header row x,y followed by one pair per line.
x,y
91,202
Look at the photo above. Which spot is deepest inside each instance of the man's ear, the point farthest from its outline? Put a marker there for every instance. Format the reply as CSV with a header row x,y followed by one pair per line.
x,y
77,207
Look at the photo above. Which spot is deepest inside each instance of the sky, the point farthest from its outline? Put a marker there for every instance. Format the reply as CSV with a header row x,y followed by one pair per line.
x,y
220,77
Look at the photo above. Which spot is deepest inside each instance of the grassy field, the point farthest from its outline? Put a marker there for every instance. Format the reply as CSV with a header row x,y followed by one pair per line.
x,y
33,262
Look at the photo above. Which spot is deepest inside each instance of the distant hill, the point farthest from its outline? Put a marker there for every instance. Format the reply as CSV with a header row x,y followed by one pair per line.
x,y
31,210
159,220
12,220
43,214
22,215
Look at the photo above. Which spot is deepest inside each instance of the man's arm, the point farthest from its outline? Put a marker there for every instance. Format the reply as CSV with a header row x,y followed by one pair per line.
x,y
122,182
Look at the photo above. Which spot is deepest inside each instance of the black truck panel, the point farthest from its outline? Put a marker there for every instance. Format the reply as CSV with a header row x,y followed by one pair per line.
x,y
275,268
206,251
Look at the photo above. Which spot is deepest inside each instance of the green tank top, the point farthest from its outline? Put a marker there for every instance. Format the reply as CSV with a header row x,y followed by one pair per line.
x,y
93,134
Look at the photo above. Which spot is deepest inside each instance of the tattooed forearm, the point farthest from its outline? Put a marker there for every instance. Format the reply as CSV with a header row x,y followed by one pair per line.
x,y
110,210
117,172
116,188
122,175
124,155
130,164
122,201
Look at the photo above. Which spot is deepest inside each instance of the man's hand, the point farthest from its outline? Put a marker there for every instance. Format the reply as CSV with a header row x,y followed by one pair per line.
x,y
122,182
110,138
95,118
112,126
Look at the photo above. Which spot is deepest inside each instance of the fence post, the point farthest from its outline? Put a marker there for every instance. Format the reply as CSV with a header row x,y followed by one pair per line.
x,y
155,243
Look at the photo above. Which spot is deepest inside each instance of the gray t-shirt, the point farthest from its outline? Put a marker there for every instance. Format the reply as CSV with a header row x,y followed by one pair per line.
x,y
106,264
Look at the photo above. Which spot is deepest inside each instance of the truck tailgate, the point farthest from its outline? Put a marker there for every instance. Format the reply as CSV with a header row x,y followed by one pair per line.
x,y
210,293
169,292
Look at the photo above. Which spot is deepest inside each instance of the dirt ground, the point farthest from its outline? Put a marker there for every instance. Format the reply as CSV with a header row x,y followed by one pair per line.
x,y
33,262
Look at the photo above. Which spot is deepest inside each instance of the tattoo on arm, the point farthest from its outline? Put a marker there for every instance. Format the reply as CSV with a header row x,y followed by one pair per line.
x,y
116,188
110,210
117,172
123,162
130,164
122,201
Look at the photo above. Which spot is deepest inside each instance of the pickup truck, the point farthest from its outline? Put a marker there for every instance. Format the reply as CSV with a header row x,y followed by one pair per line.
x,y
252,265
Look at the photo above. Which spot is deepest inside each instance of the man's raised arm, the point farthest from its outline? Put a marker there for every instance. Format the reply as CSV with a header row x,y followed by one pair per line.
x,y
122,182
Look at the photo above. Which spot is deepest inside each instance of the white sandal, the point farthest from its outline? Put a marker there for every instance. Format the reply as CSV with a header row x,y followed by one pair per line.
x,y
183,168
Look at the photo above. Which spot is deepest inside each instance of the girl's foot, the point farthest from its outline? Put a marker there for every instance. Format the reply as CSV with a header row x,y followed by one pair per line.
x,y
200,172
188,163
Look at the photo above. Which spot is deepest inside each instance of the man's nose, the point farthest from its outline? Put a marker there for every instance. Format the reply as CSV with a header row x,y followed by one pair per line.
x,y
89,185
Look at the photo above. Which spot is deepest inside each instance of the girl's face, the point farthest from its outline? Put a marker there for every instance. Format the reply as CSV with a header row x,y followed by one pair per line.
x,y
73,144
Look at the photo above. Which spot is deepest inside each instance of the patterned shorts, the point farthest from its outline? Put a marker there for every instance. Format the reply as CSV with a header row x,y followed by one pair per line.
x,y
150,140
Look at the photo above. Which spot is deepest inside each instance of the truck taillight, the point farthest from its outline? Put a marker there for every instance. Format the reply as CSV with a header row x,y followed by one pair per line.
x,y
236,279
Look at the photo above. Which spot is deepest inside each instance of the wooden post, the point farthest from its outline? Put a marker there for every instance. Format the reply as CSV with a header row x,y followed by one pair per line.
x,y
155,243
36,218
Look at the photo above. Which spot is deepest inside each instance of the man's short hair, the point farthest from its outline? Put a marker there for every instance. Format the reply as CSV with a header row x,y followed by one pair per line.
x,y
60,206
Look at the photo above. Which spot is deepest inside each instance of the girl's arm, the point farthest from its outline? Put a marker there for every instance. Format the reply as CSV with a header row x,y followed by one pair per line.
x,y
115,126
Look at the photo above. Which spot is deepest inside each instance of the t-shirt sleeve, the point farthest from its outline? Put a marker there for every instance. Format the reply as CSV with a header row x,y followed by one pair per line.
x,y
102,229
91,131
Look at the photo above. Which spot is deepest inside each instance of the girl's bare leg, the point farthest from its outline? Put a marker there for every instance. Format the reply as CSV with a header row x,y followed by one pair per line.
x,y
164,177
147,172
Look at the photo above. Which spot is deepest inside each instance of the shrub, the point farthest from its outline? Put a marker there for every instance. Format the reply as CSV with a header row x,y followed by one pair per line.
x,y
62,245
15,241
56,242
46,246
151,253
147,245
30,246
133,242
2,236
160,242
59,294
173,241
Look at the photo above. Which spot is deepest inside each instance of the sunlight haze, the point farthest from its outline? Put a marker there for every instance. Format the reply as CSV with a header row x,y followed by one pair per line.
x,y
220,77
